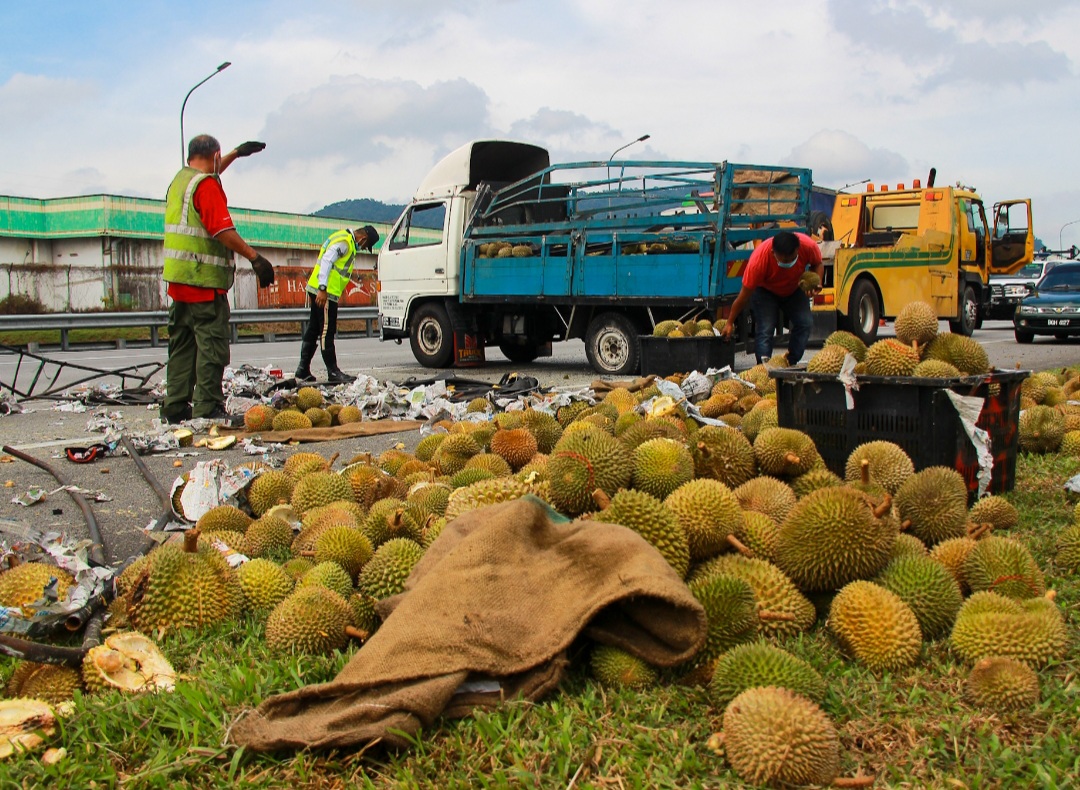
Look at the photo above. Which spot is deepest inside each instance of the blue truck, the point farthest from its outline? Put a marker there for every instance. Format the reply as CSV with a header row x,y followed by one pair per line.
x,y
499,247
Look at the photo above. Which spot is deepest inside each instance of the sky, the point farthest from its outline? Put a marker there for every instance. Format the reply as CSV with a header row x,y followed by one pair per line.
x,y
359,99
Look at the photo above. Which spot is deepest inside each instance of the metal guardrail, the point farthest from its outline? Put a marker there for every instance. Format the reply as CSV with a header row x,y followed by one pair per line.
x,y
65,322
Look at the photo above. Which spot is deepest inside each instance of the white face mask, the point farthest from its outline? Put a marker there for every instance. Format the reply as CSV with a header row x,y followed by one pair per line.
x,y
789,264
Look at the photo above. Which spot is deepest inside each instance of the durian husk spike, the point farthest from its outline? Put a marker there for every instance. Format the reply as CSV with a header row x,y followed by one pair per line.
x,y
864,472
602,500
791,458
741,547
976,531
356,633
191,540
766,615
884,507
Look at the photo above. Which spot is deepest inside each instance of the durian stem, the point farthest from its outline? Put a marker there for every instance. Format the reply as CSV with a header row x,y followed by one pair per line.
x,y
864,472
791,458
1050,595
13,561
307,554
766,615
884,507
191,540
602,500
854,781
741,547
333,458
905,525
356,633
976,531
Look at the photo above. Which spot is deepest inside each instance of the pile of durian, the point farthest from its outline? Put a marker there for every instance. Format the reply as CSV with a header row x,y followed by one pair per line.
x,y
767,538
917,350
306,409
701,327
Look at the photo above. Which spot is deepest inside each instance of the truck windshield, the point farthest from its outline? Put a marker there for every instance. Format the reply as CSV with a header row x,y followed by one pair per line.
x,y
1061,280
895,217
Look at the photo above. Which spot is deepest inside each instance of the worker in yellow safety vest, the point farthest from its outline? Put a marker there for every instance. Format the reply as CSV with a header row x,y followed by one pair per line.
x,y
325,287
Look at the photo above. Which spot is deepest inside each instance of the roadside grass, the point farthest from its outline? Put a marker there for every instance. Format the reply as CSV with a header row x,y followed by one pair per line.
x,y
912,729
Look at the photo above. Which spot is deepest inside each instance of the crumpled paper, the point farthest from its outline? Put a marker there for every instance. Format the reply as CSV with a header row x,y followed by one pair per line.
x,y
969,409
848,379
209,484
8,404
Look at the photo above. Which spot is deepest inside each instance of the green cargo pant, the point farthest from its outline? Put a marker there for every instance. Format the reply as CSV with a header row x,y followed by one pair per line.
x,y
198,354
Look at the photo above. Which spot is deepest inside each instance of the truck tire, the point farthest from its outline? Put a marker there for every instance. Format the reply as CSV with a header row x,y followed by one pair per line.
x,y
432,337
520,352
612,345
864,311
968,315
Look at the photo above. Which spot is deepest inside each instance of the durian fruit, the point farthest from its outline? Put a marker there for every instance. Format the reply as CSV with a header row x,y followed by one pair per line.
x,y
732,615
935,369
644,430
615,668
999,684
712,407
774,592
1004,566
349,414
369,484
544,427
329,575
761,416
952,554
24,725
26,583
270,488
809,281
390,461
582,462
387,520
484,493
933,504
1041,429
875,626
708,512
385,573
290,421
259,417
454,451
309,398
298,465
775,737
757,664
660,466
725,455
127,661
928,588
264,584
849,343
334,409
890,357
515,446
364,615
622,399
767,495
466,477
1067,559
189,586
570,412
268,537
889,465
297,567
988,624
648,516
320,418
665,328
432,497
224,517
910,546
830,359
916,324
319,488
816,478
964,353
834,536
425,449
759,534
50,683
785,452
313,620
344,545
996,510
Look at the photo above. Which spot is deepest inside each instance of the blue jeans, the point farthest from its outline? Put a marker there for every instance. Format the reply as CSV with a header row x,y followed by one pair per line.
x,y
765,305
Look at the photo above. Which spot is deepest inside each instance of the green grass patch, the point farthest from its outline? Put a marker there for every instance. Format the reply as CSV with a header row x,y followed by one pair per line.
x,y
912,729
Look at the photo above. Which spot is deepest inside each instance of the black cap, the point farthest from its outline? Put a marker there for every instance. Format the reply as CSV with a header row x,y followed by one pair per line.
x,y
372,236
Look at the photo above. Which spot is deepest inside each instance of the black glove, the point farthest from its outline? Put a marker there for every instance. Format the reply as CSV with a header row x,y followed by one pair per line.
x,y
249,148
263,270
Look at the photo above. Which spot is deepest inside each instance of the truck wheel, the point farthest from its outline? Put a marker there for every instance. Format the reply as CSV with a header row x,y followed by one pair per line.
x,y
969,313
1023,337
864,311
432,337
612,345
517,352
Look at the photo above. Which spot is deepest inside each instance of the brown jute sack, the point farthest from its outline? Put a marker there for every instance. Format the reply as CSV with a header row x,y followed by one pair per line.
x,y
495,601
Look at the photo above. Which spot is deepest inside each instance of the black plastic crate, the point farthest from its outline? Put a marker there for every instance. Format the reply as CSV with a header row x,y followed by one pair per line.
x,y
663,356
914,413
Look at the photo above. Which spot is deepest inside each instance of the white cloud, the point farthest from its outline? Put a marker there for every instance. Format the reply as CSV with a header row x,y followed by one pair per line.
x,y
839,158
28,100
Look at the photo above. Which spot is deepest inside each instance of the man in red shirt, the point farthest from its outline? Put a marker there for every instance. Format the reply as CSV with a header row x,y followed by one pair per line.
x,y
771,283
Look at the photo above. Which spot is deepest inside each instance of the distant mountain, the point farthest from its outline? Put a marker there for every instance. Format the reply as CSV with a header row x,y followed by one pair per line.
x,y
362,209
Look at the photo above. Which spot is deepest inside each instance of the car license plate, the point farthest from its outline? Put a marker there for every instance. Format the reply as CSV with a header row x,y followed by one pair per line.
x,y
1057,322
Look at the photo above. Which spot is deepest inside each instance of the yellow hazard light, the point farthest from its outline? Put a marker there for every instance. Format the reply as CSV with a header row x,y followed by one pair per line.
x,y
934,195
849,202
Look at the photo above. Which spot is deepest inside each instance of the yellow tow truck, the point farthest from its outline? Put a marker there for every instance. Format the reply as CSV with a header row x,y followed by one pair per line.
x,y
931,244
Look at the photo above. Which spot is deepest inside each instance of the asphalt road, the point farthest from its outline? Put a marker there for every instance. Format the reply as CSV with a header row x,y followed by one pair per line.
x,y
44,432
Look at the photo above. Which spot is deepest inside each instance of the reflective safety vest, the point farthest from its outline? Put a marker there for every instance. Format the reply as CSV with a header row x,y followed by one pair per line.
x,y
339,269
192,256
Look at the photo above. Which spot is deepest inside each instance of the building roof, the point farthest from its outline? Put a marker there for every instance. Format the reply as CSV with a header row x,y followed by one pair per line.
x,y
144,218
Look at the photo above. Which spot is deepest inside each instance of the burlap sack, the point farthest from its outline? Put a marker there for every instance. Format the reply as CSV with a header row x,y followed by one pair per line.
x,y
331,433
488,615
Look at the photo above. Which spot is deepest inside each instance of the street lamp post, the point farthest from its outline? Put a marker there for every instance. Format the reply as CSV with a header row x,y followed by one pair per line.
x,y
1061,246
641,139
183,145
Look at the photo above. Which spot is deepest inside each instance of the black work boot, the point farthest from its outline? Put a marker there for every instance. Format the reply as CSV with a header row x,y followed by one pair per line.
x,y
303,370
334,374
